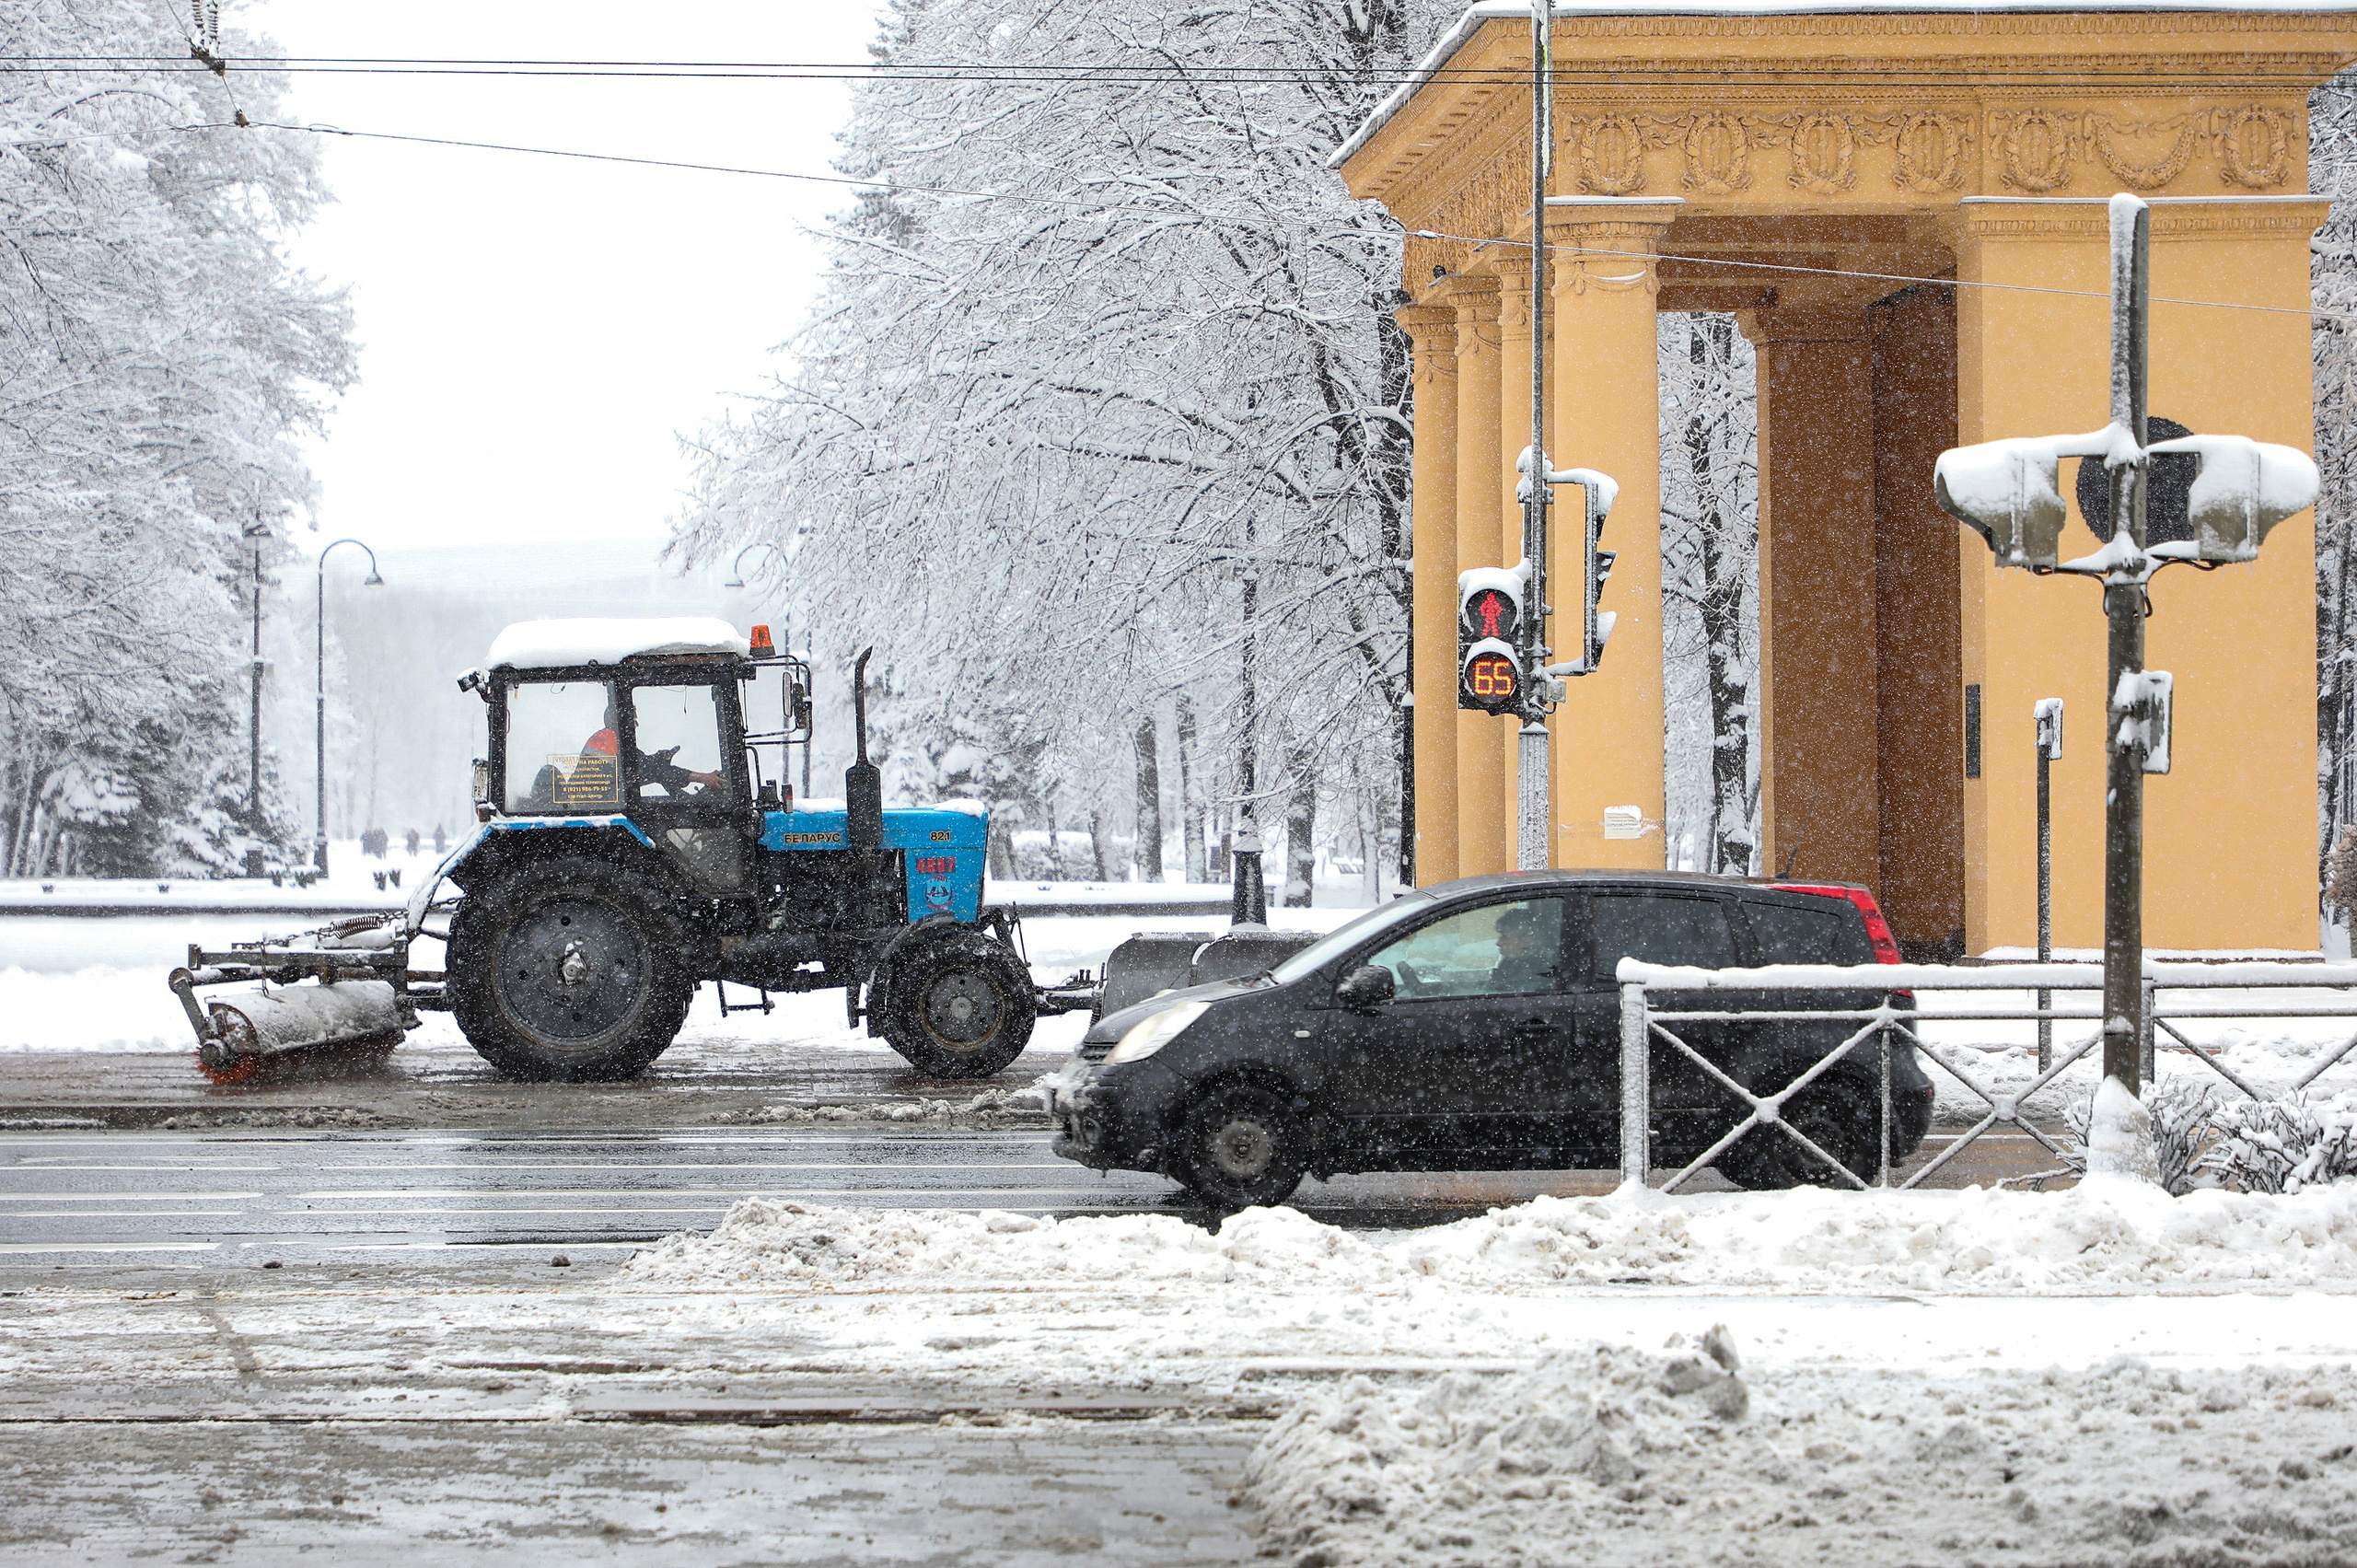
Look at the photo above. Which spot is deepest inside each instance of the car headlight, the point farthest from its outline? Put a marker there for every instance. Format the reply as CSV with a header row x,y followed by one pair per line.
x,y
1150,1036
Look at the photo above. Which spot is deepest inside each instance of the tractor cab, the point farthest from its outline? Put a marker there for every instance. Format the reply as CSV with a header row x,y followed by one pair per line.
x,y
640,721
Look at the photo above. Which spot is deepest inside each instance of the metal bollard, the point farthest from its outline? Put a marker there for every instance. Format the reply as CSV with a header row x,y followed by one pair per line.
x,y
2145,1065
1636,1094
1882,1158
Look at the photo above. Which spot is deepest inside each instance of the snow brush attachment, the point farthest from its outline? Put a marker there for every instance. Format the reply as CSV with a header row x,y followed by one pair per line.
x,y
358,1006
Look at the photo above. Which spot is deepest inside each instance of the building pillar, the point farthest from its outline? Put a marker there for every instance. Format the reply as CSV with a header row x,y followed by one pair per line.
x,y
1432,335
1482,757
1819,730
2230,835
1605,414
1919,764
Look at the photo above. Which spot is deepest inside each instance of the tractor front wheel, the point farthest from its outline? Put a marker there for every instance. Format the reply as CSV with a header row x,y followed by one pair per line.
x,y
957,1008
569,969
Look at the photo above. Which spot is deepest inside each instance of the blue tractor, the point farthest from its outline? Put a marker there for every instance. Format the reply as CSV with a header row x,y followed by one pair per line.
x,y
631,848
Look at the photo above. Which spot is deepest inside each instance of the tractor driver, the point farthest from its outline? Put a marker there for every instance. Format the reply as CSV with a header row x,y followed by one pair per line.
x,y
1528,953
656,768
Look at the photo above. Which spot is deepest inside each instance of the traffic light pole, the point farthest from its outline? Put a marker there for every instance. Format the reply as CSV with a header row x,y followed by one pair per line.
x,y
1530,760
2006,491
2123,602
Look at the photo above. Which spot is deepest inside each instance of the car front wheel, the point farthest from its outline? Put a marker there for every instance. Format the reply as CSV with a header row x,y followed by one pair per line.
x,y
1243,1146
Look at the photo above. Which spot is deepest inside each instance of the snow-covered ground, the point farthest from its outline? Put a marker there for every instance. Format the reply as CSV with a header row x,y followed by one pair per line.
x,y
1902,1378
1618,1457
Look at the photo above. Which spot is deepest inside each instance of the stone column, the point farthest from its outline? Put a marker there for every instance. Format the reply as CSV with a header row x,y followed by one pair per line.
x,y
2230,835
1483,826
1818,734
1432,333
1605,414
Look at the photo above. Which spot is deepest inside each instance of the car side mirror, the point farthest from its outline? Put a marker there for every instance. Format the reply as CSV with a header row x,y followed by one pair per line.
x,y
1367,987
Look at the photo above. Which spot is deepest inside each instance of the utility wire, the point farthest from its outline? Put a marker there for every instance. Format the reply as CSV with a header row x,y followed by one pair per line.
x,y
883,185
891,187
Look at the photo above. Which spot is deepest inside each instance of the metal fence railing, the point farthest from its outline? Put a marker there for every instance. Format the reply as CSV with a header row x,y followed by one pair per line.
x,y
2174,993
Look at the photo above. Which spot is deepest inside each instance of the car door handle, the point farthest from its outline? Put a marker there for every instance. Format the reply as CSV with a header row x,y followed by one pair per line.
x,y
1533,1028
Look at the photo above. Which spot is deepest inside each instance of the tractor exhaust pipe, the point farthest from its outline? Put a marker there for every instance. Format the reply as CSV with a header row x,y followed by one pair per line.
x,y
863,783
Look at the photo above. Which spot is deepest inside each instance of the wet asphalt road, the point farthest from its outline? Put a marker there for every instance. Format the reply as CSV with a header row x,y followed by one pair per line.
x,y
227,1199
239,1199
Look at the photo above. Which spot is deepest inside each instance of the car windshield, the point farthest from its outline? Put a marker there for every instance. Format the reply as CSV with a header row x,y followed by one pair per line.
x,y
1323,951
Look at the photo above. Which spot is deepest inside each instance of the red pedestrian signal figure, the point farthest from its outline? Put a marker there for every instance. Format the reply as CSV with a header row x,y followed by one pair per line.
x,y
1490,606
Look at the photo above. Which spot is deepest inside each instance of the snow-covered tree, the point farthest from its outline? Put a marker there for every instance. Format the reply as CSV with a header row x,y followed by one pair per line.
x,y
157,358
2332,171
1124,362
1710,543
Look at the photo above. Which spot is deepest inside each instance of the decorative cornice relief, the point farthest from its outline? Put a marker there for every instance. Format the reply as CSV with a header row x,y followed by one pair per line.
x,y
2042,147
1868,156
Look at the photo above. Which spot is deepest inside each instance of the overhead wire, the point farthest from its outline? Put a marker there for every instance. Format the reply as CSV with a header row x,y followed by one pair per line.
x,y
883,185
891,187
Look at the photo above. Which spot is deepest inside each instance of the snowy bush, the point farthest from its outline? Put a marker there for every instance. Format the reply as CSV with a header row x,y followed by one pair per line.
x,y
2283,1146
2205,1140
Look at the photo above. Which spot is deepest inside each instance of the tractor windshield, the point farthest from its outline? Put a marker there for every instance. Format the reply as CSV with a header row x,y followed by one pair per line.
x,y
561,752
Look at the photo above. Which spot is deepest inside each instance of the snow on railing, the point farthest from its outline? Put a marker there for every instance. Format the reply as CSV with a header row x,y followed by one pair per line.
x,y
1886,1027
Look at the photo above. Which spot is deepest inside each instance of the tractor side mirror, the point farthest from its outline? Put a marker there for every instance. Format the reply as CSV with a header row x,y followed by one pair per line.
x,y
798,706
1365,988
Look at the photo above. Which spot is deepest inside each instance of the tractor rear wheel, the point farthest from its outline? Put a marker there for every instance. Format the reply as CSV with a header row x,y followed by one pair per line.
x,y
569,969
959,1006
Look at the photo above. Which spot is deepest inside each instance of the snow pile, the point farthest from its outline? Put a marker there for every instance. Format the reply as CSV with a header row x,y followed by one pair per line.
x,y
1611,1457
764,1241
2104,1232
2118,1138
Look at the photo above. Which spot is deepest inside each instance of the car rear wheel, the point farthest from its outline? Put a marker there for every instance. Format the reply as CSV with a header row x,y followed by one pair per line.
x,y
1836,1115
1242,1145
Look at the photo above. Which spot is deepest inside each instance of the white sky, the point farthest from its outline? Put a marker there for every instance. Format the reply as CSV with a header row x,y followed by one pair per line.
x,y
536,332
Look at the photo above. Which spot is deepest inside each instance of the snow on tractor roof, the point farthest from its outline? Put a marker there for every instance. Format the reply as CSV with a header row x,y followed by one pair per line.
x,y
552,644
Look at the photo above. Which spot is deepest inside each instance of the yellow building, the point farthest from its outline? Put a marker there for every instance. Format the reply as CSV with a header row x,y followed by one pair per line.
x,y
1798,167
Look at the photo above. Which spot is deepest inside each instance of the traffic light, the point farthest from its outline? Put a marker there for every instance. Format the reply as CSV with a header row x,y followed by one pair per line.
x,y
1490,674
2244,488
2005,491
1595,626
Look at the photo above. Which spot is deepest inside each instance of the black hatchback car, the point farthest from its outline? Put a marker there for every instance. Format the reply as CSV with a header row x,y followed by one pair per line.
x,y
1475,1025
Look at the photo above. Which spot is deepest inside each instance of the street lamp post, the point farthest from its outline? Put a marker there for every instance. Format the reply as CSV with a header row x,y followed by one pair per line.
x,y
374,580
255,532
